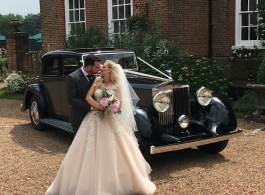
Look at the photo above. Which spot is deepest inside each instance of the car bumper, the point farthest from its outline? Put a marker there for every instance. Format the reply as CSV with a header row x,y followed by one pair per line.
x,y
194,143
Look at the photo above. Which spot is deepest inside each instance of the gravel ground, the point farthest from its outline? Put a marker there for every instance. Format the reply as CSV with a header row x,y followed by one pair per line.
x,y
30,160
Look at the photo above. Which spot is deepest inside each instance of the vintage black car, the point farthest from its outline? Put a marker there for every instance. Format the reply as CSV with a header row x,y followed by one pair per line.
x,y
167,119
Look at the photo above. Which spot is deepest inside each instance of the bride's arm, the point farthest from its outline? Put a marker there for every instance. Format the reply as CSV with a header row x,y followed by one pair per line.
x,y
91,100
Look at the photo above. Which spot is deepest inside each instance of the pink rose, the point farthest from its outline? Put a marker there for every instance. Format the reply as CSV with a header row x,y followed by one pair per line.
x,y
104,101
114,107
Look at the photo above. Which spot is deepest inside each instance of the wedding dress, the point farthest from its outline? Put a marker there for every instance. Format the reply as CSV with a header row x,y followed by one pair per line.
x,y
104,159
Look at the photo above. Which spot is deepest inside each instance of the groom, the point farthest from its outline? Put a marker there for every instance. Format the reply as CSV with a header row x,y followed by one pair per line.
x,y
77,85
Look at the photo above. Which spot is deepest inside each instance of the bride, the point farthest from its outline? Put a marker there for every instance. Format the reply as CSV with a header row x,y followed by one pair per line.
x,y
104,158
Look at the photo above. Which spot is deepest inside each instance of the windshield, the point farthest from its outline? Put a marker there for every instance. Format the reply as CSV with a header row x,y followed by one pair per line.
x,y
126,60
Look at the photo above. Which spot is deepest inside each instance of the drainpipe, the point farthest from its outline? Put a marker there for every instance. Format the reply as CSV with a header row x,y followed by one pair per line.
x,y
210,28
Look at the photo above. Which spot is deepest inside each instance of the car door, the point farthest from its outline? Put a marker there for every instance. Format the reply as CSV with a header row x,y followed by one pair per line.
x,y
51,85
69,65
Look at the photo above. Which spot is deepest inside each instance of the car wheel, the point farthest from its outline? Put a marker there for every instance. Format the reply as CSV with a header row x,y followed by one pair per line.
x,y
214,148
146,153
35,115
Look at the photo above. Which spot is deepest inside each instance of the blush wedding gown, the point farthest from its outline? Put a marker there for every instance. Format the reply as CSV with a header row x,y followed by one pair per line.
x,y
104,159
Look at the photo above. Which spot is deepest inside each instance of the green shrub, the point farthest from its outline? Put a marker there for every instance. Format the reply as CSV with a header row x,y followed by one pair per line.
x,y
17,82
3,67
261,72
89,38
245,105
203,72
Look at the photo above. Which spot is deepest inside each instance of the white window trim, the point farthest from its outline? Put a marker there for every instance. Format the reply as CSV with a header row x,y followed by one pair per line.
x,y
110,28
66,10
238,42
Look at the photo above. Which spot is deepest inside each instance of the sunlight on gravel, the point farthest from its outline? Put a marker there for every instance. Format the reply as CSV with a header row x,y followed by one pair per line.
x,y
30,160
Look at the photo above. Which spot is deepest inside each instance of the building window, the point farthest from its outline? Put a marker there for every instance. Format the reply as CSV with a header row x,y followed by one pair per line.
x,y
118,12
74,14
246,23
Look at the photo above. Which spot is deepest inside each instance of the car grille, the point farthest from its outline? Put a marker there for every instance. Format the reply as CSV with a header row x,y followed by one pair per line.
x,y
179,106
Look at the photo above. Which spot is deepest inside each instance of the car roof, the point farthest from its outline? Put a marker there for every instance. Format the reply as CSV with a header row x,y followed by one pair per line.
x,y
84,51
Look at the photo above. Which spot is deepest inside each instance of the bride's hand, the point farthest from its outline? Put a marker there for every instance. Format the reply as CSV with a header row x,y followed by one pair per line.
x,y
100,107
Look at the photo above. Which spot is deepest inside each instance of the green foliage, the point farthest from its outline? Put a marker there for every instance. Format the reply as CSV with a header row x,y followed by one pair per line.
x,y
6,94
31,24
261,72
245,105
80,38
3,67
139,23
203,72
5,20
16,82
261,23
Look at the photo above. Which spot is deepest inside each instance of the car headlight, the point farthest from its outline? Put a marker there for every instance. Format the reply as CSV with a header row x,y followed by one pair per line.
x,y
161,102
204,96
183,121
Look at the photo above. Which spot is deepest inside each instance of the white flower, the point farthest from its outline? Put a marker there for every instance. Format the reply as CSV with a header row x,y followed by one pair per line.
x,y
231,57
234,51
246,55
249,54
260,18
262,25
240,55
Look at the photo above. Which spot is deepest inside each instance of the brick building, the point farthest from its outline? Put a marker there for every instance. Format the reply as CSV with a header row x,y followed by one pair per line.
x,y
203,28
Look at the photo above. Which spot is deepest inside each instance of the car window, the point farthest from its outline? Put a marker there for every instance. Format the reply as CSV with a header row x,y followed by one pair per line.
x,y
126,60
70,64
51,67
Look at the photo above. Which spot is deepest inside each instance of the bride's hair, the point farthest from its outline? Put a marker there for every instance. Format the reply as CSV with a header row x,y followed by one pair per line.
x,y
113,75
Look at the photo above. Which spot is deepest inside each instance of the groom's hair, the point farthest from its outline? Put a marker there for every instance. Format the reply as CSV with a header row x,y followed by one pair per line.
x,y
90,60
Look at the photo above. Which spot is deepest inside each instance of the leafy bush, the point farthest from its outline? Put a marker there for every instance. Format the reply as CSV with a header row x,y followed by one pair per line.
x,y
3,67
204,72
261,72
81,38
17,82
245,105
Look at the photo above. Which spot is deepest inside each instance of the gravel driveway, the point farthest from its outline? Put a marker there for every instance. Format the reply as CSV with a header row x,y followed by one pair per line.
x,y
30,160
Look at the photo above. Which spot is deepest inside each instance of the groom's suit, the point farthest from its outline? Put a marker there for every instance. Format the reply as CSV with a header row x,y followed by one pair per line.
x,y
77,86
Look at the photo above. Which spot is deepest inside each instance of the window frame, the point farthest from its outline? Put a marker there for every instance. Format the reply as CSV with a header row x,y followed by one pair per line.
x,y
111,20
67,15
238,21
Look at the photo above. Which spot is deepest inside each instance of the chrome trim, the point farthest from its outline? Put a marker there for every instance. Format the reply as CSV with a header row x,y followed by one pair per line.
x,y
184,145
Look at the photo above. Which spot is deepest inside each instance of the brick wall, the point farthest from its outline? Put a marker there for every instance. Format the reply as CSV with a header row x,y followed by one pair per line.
x,y
184,21
52,24
16,46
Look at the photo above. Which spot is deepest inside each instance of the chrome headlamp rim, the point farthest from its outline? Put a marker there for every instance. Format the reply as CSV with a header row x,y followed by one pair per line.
x,y
204,96
183,121
163,104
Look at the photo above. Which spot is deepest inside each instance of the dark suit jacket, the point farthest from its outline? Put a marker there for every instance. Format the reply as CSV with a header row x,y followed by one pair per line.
x,y
77,87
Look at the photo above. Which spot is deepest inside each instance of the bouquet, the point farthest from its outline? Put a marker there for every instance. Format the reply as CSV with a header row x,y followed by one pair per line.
x,y
109,101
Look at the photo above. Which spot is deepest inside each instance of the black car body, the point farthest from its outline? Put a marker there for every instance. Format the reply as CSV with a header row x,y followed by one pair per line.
x,y
167,119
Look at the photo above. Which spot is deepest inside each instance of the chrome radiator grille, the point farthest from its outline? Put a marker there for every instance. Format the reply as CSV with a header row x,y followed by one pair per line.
x,y
179,98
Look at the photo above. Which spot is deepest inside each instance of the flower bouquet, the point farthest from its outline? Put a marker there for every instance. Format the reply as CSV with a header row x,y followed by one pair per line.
x,y
109,101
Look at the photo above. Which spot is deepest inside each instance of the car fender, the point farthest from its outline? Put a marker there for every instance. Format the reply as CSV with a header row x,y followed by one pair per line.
x,y
216,118
37,91
150,131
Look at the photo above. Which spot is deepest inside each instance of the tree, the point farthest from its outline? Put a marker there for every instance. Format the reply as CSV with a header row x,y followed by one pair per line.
x,y
5,20
31,24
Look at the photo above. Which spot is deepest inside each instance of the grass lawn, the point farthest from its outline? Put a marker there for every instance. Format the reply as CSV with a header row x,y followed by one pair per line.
x,y
6,94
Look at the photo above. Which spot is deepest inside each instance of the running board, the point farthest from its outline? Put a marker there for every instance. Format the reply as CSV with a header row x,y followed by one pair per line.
x,y
63,125
190,144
